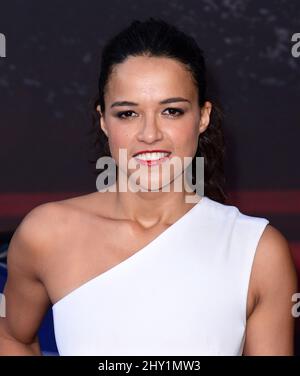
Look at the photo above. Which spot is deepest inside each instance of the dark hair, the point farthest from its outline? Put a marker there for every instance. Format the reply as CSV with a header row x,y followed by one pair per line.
x,y
157,38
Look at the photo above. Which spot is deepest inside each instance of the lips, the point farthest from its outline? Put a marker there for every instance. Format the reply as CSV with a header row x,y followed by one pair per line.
x,y
152,151
152,158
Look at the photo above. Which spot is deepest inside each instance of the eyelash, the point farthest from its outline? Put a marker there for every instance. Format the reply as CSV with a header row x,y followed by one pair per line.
x,y
179,111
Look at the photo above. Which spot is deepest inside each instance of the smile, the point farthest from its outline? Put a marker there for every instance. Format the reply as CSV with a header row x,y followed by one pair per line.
x,y
152,159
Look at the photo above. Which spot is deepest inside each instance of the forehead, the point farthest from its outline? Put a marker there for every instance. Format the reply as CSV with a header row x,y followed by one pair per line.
x,y
150,77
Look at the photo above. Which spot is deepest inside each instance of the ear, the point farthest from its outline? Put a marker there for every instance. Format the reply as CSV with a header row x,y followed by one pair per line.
x,y
205,116
102,121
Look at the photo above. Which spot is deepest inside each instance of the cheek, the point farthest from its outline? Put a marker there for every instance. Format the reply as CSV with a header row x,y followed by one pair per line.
x,y
187,142
119,139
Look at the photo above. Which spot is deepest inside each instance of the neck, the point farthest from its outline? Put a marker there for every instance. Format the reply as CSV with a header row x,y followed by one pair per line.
x,y
153,208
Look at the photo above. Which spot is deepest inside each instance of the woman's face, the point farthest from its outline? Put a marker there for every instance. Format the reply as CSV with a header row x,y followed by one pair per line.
x,y
141,122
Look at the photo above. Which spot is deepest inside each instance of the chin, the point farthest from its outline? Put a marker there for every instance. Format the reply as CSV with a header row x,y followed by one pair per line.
x,y
148,183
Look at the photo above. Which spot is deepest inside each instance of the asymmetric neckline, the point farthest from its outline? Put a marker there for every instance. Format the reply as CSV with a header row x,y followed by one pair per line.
x,y
132,257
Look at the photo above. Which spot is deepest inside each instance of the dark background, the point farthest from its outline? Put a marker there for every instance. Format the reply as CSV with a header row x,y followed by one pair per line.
x,y
51,71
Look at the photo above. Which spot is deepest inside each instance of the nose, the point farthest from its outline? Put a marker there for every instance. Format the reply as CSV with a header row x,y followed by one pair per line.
x,y
150,131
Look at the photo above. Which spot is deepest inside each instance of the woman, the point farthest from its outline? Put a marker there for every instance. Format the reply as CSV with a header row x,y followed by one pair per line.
x,y
152,272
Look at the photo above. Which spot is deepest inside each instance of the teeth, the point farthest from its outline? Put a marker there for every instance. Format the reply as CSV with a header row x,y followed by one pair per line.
x,y
151,156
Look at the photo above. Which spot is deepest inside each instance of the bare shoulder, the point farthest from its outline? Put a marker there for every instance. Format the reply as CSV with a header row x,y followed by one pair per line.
x,y
27,263
39,236
273,268
41,222
270,326
45,220
95,203
35,234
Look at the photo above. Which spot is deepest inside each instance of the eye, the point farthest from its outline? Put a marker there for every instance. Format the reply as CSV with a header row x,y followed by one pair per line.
x,y
120,114
174,111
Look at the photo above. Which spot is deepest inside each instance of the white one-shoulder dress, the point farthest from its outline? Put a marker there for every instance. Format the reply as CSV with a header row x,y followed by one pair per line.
x,y
184,293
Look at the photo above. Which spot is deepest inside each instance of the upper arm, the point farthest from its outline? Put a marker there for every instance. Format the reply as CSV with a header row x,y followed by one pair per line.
x,y
26,297
270,327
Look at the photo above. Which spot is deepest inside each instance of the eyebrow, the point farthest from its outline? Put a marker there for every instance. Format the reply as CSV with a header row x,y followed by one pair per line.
x,y
168,100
